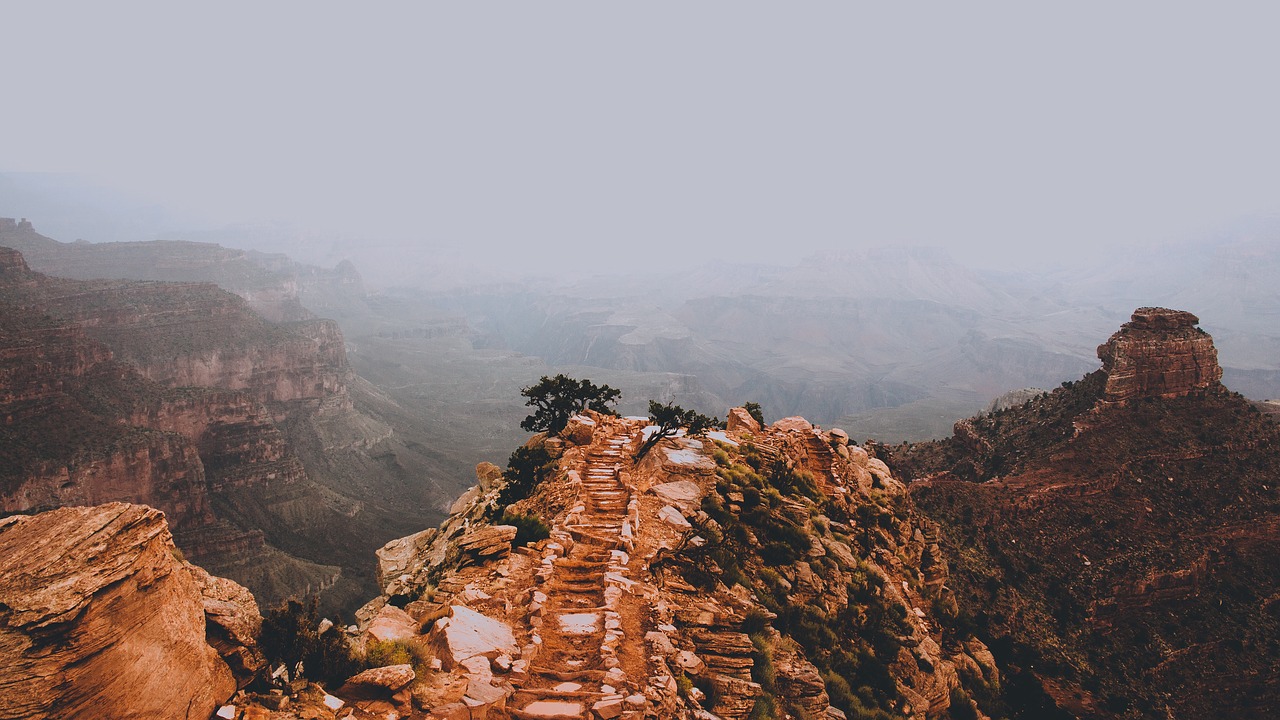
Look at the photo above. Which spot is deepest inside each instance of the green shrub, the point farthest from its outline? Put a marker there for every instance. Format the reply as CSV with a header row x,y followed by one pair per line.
x,y
291,634
381,653
766,708
529,528
526,469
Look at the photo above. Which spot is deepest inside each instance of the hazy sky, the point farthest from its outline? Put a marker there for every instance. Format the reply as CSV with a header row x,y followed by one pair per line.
x,y
595,131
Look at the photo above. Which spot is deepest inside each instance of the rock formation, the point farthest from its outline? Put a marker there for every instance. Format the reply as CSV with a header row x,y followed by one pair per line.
x,y
99,617
1120,535
266,401
85,427
1159,353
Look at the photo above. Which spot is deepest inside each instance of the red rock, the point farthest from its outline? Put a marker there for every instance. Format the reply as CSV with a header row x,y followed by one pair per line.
x,y
796,423
97,612
739,420
1159,353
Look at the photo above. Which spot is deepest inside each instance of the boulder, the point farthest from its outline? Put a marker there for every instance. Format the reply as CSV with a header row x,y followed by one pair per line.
x,y
232,623
97,613
579,430
672,517
739,420
468,634
837,437
686,460
401,556
392,624
486,542
465,500
683,494
793,423
487,475
378,683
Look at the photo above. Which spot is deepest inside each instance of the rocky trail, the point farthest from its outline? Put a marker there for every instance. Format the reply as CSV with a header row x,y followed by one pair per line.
x,y
576,617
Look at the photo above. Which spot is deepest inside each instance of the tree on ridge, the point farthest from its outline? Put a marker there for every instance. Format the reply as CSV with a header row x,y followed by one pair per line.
x,y
559,398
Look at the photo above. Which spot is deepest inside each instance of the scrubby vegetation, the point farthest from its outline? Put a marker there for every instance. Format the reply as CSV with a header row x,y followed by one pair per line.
x,y
765,517
559,398
529,528
526,469
291,635
669,419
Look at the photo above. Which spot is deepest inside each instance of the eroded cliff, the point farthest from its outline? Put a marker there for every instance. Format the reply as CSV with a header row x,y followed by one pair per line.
x,y
100,617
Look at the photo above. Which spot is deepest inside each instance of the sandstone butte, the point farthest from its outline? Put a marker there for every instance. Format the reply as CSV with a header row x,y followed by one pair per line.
x,y
1158,353
100,618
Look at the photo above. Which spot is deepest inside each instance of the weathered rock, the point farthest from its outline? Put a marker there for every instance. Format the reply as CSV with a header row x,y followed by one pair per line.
x,y
463,501
672,517
794,423
468,634
401,556
798,680
683,494
97,612
381,682
487,475
1159,353
836,436
686,460
739,420
232,623
392,624
579,430
486,542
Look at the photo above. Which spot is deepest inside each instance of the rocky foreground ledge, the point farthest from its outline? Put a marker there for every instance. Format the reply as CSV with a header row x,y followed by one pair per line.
x,y
101,617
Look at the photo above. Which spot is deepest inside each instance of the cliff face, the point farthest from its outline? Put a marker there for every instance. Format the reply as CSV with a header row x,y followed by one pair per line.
x,y
310,472
1159,353
1119,552
99,618
757,573
82,428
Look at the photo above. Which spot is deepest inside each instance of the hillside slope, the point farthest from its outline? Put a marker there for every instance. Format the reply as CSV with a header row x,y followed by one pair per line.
x,y
1115,538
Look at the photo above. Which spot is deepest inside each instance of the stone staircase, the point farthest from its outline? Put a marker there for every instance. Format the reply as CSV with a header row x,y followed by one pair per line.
x,y
575,625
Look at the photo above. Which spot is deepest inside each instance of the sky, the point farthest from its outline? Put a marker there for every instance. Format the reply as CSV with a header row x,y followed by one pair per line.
x,y
608,135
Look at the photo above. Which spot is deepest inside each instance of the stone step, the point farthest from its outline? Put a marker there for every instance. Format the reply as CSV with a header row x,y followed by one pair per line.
x,y
580,564
550,710
562,675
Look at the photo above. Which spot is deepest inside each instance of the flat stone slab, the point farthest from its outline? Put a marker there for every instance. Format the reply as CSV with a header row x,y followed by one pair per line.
x,y
553,708
580,623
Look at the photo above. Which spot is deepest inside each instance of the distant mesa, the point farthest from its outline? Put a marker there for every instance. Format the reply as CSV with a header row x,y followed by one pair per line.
x,y
1158,353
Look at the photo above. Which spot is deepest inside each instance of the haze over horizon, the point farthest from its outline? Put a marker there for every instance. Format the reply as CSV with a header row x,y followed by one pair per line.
x,y
580,137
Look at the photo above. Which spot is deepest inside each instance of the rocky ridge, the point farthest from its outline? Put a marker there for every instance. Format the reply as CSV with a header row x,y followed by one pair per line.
x,y
698,581
1117,548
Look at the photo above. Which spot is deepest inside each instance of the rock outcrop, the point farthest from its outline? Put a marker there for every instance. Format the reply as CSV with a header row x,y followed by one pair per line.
x,y
1159,353
1109,529
694,582
100,618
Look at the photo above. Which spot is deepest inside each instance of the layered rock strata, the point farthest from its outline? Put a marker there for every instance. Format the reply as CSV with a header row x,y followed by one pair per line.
x,y
1158,353
99,617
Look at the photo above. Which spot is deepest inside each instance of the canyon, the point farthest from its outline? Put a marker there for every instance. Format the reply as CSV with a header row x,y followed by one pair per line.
x,y
179,396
